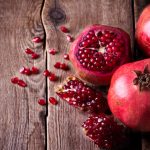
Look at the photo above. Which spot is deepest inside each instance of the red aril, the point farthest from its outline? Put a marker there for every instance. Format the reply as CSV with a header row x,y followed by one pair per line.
x,y
26,71
98,51
14,80
64,29
46,73
42,102
57,65
36,40
80,95
21,83
129,95
69,38
143,31
66,56
34,70
29,51
53,77
63,66
53,101
35,56
52,51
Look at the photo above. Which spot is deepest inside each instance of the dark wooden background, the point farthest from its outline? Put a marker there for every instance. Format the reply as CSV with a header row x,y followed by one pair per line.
x,y
23,123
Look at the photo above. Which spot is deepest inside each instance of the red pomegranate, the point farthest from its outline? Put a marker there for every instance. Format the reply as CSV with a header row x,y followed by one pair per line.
x,y
143,31
129,95
98,51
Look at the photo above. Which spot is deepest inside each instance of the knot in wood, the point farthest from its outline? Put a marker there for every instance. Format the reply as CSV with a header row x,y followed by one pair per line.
x,y
57,15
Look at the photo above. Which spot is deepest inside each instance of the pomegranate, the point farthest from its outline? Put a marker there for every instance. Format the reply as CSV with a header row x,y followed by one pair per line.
x,y
143,31
80,95
129,95
98,51
105,131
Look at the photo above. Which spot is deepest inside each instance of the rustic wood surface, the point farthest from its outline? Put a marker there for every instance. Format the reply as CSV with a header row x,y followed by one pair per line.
x,y
22,120
23,123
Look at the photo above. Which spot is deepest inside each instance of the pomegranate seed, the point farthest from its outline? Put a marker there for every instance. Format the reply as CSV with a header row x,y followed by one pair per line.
x,y
64,29
53,77
36,40
35,56
35,70
53,101
22,70
46,73
69,38
64,66
52,51
14,80
66,56
42,102
29,51
21,83
57,65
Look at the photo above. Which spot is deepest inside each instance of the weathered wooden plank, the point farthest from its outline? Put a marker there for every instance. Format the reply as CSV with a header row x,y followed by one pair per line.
x,y
22,120
138,7
64,121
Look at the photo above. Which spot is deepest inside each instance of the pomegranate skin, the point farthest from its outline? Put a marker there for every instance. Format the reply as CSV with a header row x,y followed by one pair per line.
x,y
126,101
98,77
143,31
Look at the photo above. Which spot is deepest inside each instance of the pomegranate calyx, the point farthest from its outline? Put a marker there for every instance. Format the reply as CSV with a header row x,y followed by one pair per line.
x,y
142,79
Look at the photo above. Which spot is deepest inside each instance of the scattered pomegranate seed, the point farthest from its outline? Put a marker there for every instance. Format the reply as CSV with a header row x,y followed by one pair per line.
x,y
26,71
52,51
35,70
29,51
53,77
22,70
57,65
14,80
63,66
69,38
36,40
42,102
21,83
35,56
66,56
53,101
64,29
46,73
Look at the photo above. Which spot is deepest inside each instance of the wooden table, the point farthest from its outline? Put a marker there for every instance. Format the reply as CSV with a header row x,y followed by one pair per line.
x,y
23,123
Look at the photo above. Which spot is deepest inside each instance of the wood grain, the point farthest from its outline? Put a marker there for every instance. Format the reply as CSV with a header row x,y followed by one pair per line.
x,y
64,122
138,7
22,120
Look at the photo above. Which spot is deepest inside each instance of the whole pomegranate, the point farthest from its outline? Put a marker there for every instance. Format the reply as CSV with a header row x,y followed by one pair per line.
x,y
129,95
98,51
143,31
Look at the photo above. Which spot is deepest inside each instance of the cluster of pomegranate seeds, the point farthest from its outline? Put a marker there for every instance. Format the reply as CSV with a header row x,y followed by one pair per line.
x,y
69,38
32,53
100,50
66,56
64,29
52,51
16,80
52,76
42,102
62,66
104,131
53,101
37,40
28,71
80,95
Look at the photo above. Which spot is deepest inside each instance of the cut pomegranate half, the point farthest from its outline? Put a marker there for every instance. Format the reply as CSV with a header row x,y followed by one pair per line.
x,y
105,132
98,51
80,95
